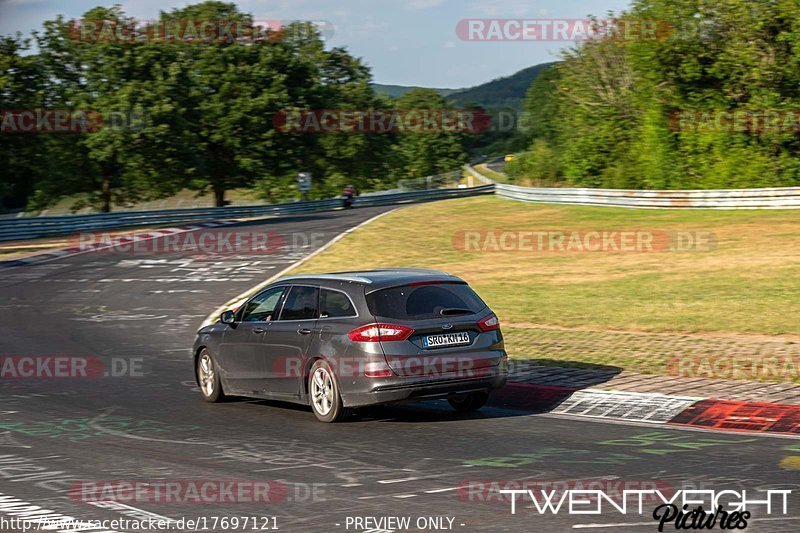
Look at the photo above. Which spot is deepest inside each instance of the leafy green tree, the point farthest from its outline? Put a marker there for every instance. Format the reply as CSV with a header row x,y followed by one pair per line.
x,y
21,155
126,83
330,80
424,153
231,90
198,113
608,112
541,108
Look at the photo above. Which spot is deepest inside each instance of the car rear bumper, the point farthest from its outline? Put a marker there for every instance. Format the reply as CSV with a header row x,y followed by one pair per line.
x,y
413,389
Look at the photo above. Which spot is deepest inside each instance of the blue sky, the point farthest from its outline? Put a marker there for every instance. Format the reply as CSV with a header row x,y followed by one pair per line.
x,y
405,42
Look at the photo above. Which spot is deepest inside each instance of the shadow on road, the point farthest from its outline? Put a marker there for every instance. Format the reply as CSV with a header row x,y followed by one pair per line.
x,y
534,386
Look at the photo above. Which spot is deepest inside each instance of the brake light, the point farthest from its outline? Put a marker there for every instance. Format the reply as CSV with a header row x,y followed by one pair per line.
x,y
380,332
489,323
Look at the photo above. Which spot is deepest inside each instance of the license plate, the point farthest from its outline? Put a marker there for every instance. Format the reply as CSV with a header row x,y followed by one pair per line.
x,y
446,339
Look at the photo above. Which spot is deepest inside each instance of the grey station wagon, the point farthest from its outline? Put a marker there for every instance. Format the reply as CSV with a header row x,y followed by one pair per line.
x,y
350,339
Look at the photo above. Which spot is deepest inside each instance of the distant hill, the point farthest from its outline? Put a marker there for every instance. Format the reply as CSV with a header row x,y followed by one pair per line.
x,y
509,91
504,92
399,90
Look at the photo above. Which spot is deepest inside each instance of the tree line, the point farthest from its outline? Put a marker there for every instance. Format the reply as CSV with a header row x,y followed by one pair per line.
x,y
713,103
178,114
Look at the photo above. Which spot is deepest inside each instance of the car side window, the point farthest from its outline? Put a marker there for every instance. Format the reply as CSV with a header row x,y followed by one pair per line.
x,y
301,303
263,306
335,304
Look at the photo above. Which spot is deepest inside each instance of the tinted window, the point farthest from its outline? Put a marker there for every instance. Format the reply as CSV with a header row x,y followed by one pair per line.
x,y
262,307
334,304
424,301
301,304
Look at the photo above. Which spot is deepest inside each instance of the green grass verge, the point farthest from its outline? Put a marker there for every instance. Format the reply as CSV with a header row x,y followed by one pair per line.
x,y
745,287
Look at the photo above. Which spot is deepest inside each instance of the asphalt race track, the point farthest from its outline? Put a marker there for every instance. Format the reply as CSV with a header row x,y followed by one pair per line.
x,y
142,310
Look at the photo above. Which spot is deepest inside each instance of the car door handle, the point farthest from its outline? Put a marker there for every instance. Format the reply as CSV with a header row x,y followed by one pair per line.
x,y
303,331
259,330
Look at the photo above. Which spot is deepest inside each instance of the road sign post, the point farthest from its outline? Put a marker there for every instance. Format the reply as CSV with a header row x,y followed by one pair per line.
x,y
304,184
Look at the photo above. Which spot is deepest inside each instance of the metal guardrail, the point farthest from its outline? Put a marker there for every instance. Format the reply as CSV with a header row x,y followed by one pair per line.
x,y
35,227
764,198
761,198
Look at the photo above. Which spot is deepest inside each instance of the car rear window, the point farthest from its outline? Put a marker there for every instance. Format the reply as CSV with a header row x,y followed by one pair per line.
x,y
335,304
417,302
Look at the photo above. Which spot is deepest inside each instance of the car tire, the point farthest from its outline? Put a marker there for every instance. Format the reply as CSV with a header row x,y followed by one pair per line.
x,y
468,402
323,394
208,377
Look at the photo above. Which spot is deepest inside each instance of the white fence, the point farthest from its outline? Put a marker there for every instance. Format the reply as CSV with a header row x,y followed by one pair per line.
x,y
764,198
767,198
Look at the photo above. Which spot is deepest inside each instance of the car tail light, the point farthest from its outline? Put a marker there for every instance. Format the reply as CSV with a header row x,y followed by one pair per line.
x,y
380,332
377,369
489,323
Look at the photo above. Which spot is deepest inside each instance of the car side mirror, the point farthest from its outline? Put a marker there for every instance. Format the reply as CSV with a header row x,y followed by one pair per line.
x,y
227,317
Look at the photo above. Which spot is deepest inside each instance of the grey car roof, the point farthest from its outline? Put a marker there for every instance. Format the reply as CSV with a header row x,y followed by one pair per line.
x,y
379,278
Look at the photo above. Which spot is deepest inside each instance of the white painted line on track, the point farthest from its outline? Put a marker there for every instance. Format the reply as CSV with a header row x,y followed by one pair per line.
x,y
386,481
398,495
119,506
46,257
45,518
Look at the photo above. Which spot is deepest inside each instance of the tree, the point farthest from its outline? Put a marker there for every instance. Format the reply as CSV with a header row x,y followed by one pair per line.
x,y
613,99
125,83
182,109
345,158
424,153
233,86
21,155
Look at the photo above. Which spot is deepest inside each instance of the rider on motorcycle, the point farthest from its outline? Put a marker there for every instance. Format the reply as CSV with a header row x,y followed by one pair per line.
x,y
348,194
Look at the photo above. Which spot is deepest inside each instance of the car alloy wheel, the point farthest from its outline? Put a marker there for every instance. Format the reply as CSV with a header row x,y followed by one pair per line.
x,y
324,396
208,378
322,391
